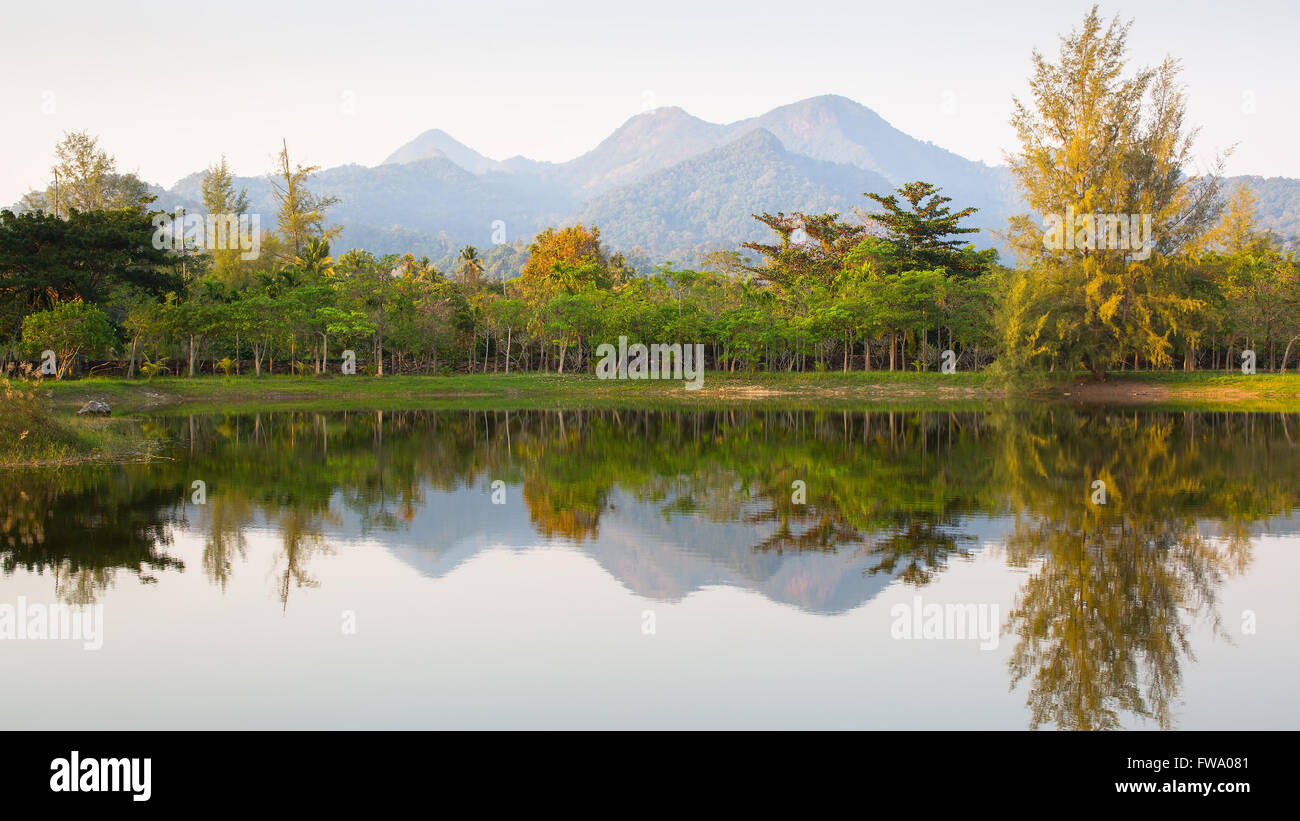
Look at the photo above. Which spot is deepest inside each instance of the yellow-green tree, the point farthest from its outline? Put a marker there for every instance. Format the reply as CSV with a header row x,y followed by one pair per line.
x,y
302,213
1102,158
85,179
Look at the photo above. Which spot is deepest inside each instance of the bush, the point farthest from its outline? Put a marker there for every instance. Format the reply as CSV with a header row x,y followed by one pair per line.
x,y
70,329
27,431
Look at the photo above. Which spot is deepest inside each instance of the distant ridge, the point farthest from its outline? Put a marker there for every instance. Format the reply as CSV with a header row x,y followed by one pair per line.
x,y
669,183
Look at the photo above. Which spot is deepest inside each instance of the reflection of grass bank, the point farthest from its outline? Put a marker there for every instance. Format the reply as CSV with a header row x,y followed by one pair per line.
x,y
32,435
962,391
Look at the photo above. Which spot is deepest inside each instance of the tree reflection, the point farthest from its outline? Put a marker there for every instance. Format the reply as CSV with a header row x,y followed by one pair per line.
x,y
917,549
83,526
227,515
1102,622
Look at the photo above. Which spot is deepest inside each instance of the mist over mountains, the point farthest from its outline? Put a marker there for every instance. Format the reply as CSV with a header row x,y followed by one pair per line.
x,y
666,184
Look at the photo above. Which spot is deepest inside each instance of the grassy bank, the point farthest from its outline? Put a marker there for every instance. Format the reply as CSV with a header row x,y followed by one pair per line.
x,y
41,425
1178,390
1277,392
31,434
531,390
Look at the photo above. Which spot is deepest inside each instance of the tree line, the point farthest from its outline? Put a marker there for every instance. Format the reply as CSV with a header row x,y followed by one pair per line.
x,y
889,287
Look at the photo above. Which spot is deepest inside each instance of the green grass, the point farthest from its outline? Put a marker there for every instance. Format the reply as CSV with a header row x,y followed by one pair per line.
x,y
1261,384
174,394
30,434
529,390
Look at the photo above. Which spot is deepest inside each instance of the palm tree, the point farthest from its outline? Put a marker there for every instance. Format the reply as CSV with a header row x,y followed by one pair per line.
x,y
421,270
315,258
356,260
471,266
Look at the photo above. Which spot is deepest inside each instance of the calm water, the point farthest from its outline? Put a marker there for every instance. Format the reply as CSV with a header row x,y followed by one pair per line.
x,y
666,569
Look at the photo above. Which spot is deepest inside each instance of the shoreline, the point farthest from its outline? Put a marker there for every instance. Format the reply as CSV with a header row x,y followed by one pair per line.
x,y
1160,389
132,400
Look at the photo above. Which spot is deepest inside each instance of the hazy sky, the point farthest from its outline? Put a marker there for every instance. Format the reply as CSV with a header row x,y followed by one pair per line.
x,y
169,87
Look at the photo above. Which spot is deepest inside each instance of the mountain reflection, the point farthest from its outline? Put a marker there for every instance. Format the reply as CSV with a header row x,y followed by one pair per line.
x,y
671,501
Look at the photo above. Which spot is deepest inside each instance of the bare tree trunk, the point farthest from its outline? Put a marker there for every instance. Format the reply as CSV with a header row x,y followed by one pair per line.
x,y
1287,353
64,365
130,371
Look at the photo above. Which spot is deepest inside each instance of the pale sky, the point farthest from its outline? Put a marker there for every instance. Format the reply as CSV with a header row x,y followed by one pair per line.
x,y
170,87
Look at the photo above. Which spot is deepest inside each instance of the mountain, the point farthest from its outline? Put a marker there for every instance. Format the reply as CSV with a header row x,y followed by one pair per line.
x,y
1277,204
428,207
666,181
645,144
706,202
838,130
437,143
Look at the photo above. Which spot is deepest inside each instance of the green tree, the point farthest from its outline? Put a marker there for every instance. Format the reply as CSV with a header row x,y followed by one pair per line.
x,y
315,260
926,234
302,213
45,260
69,329
470,270
1103,144
86,179
221,200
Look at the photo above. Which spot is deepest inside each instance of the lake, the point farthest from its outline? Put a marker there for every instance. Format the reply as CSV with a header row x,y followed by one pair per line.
x,y
1029,566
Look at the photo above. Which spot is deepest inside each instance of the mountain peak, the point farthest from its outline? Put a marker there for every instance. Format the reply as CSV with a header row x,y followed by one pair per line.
x,y
831,100
645,143
438,143
669,119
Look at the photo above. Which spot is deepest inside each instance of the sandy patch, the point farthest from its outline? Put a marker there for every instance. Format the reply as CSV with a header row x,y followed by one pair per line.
x,y
1217,394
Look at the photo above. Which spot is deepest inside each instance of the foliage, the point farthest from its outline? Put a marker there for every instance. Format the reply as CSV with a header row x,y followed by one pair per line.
x,y
895,287
69,329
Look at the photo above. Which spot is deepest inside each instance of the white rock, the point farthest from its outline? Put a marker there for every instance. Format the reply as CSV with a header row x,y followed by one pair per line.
x,y
96,407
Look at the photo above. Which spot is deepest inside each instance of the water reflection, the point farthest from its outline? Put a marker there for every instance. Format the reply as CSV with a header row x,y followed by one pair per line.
x,y
669,502
82,526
